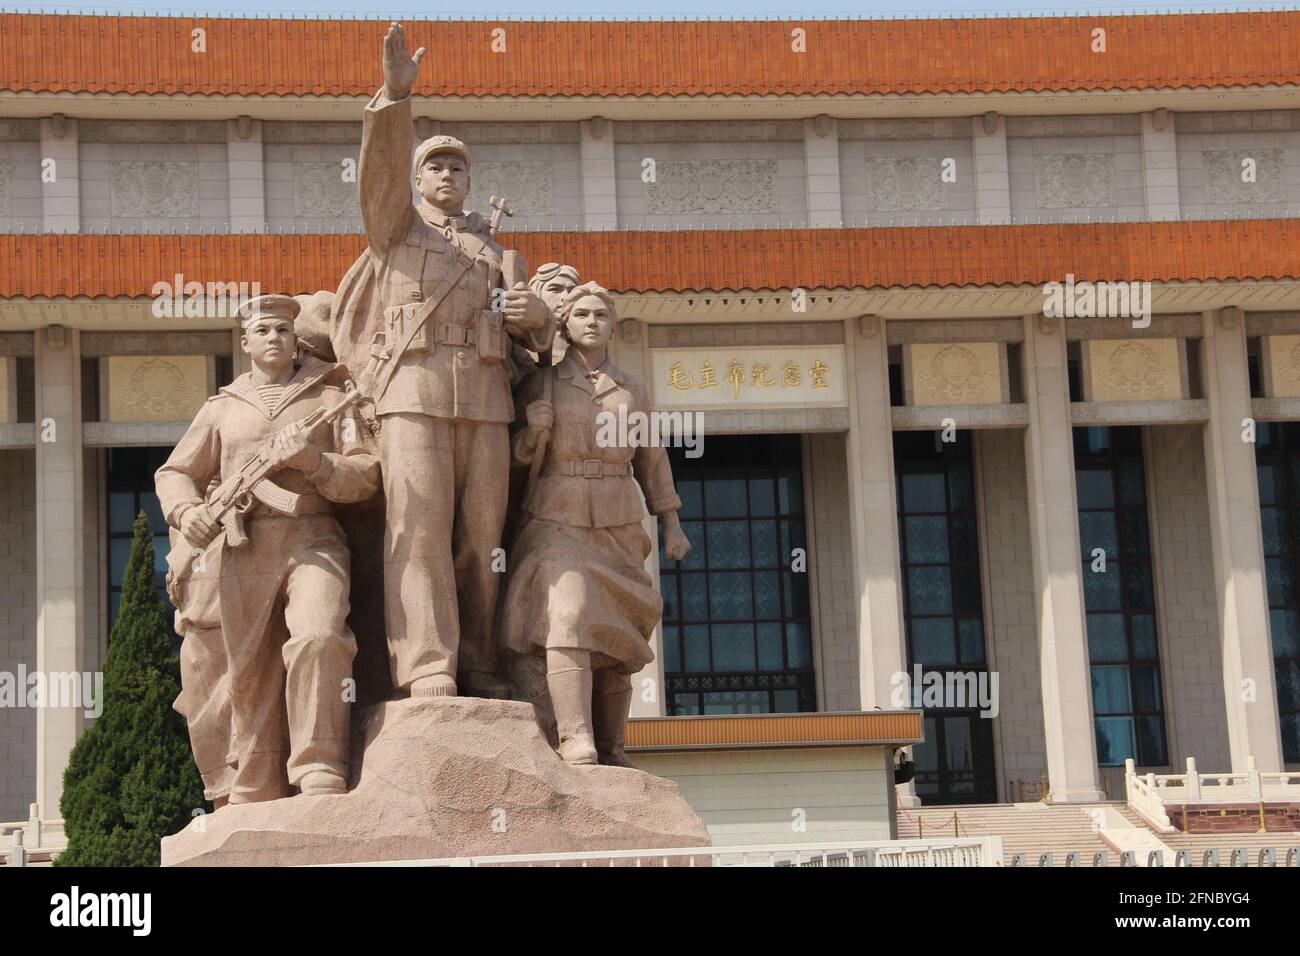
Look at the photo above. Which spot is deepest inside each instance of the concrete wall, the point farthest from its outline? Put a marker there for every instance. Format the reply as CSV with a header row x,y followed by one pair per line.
x,y
1190,656
1211,148
1012,631
17,627
887,180
20,186
754,796
832,564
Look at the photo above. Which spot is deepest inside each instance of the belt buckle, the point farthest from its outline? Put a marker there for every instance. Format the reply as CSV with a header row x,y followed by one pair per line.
x,y
591,468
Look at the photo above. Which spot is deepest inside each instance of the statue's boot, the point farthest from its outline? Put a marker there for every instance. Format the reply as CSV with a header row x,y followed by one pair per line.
x,y
317,782
610,708
439,685
571,699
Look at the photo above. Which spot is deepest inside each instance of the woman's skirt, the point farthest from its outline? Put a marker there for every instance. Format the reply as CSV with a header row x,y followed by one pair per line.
x,y
582,588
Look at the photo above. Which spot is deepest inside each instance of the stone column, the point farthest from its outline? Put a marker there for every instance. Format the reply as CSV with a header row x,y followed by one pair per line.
x,y
1249,690
61,197
1160,165
596,159
1055,553
628,350
992,171
821,159
873,500
247,178
60,599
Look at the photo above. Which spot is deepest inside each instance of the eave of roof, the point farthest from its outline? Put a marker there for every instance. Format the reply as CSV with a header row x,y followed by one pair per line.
x,y
49,265
111,54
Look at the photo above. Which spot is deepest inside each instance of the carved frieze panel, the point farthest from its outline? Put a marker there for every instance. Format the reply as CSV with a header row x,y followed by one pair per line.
x,y
6,191
1076,180
1281,365
956,373
528,187
155,388
906,183
1134,370
319,190
713,186
155,190
1243,175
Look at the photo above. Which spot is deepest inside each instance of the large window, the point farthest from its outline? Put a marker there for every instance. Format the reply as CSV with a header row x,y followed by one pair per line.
x,y
944,613
736,626
130,491
1277,452
1119,596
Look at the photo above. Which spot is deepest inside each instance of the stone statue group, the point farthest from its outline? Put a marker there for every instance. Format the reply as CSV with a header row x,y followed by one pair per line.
x,y
467,393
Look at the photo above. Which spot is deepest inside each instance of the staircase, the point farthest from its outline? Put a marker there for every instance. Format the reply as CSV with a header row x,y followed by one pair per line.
x,y
1225,843
1037,828
1028,828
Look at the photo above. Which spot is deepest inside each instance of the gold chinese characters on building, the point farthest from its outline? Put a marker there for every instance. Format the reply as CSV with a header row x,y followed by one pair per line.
x,y
745,377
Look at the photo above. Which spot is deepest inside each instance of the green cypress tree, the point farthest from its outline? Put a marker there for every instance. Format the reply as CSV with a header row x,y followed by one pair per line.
x,y
131,778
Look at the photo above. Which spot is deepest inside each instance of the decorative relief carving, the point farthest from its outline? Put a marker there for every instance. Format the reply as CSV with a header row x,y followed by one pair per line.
x,y
906,183
957,374
20,131
526,185
1281,365
1071,181
154,190
156,389
1224,169
713,186
6,200
1147,370
319,191
151,131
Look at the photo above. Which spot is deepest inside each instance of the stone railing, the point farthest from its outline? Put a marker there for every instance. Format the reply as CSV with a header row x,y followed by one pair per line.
x,y
33,840
1151,793
959,851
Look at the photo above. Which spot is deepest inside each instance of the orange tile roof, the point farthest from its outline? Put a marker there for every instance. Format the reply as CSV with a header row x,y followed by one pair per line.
x,y
110,54
129,265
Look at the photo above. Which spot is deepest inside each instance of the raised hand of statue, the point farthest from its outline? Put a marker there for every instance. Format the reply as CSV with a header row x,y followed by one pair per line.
x,y
400,68
525,311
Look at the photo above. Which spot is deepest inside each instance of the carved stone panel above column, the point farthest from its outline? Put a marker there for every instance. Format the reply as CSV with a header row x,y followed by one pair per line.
x,y
713,186
1130,370
319,190
906,183
1244,175
957,373
528,186
155,190
1069,181
1281,365
157,388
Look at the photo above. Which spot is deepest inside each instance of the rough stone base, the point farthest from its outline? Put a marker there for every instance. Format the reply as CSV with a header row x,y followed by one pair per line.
x,y
433,778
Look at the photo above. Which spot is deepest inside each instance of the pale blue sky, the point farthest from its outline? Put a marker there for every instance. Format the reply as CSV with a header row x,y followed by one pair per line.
x,y
634,9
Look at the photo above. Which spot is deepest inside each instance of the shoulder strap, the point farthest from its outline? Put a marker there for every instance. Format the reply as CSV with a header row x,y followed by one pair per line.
x,y
548,389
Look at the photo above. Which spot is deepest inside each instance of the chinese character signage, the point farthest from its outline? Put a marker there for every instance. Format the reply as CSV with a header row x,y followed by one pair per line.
x,y
744,377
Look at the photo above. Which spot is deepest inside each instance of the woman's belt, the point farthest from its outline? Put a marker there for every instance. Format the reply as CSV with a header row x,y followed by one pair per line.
x,y
591,468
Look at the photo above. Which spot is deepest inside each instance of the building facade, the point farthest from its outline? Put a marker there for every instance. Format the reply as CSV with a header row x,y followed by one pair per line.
x,y
996,353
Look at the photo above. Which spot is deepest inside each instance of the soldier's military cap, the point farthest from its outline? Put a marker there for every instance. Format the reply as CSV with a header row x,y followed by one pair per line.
x,y
440,144
270,307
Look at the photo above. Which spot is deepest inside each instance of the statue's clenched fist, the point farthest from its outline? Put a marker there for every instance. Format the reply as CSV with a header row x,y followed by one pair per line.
x,y
199,527
400,68
525,311
541,416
